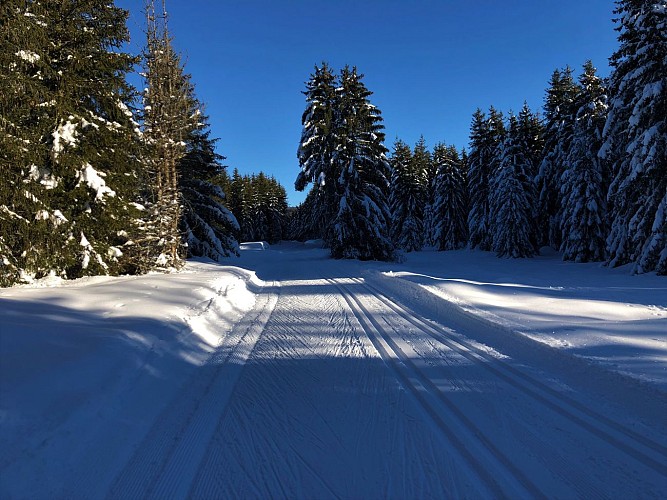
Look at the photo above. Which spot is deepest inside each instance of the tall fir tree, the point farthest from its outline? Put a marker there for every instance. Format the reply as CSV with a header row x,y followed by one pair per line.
x,y
423,165
635,138
482,149
511,202
585,179
407,199
209,228
361,224
559,112
68,144
317,146
450,204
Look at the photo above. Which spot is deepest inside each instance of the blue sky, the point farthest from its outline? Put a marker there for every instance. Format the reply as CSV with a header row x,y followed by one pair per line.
x,y
430,63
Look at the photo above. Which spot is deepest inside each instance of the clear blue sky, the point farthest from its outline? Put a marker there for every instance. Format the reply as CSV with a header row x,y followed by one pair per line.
x,y
430,63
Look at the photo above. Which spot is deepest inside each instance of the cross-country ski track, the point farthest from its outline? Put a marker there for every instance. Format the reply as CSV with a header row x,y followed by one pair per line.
x,y
342,381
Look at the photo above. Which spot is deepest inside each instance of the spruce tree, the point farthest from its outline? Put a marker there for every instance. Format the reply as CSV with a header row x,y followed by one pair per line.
x,y
585,180
209,228
635,138
317,145
511,203
450,205
407,199
422,165
559,112
479,171
361,224
69,144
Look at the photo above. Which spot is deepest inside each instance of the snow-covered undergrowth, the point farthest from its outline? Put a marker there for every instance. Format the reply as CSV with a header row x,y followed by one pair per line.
x,y
605,315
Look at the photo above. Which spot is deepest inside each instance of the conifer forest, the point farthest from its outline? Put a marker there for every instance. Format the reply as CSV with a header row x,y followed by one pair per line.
x,y
98,177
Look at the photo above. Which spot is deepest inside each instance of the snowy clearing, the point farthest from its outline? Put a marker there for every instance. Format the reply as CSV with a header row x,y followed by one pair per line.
x,y
453,374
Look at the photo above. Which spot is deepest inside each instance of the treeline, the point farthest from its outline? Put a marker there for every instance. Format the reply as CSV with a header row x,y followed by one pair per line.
x,y
259,204
588,177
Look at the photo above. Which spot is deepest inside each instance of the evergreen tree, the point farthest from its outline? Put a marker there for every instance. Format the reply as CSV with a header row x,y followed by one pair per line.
x,y
68,143
209,228
531,134
482,149
422,165
407,199
559,111
167,122
585,180
635,138
317,146
450,205
360,226
511,204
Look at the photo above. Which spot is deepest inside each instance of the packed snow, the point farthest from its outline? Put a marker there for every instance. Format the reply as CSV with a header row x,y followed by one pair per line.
x,y
288,374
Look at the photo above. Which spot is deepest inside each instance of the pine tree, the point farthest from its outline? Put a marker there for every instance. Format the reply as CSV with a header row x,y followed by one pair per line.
x,y
209,228
360,226
407,199
585,180
635,138
450,205
559,113
69,143
511,203
316,148
422,165
479,171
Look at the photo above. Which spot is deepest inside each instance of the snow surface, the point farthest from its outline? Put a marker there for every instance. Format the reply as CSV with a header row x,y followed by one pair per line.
x,y
289,374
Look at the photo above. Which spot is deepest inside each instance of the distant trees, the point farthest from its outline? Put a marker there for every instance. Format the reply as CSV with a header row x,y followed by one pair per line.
x,y
259,203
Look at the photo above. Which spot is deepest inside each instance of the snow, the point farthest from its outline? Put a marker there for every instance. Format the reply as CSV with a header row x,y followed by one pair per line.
x,y
28,56
65,133
95,181
289,374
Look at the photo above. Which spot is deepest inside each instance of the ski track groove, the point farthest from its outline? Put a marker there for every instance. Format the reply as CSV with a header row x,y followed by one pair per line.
x,y
542,393
172,446
404,369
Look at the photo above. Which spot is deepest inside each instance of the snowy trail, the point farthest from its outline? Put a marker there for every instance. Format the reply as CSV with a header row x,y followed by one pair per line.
x,y
332,379
400,349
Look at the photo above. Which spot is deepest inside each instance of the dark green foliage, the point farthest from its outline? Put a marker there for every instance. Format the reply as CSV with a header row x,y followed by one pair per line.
x,y
407,199
69,146
259,203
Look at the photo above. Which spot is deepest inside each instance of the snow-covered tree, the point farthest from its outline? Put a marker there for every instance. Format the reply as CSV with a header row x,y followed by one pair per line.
x,y
361,224
450,205
559,113
423,166
512,201
584,181
407,199
635,138
316,148
69,145
209,228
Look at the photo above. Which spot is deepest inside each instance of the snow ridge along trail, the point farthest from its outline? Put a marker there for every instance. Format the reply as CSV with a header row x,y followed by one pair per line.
x,y
166,462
